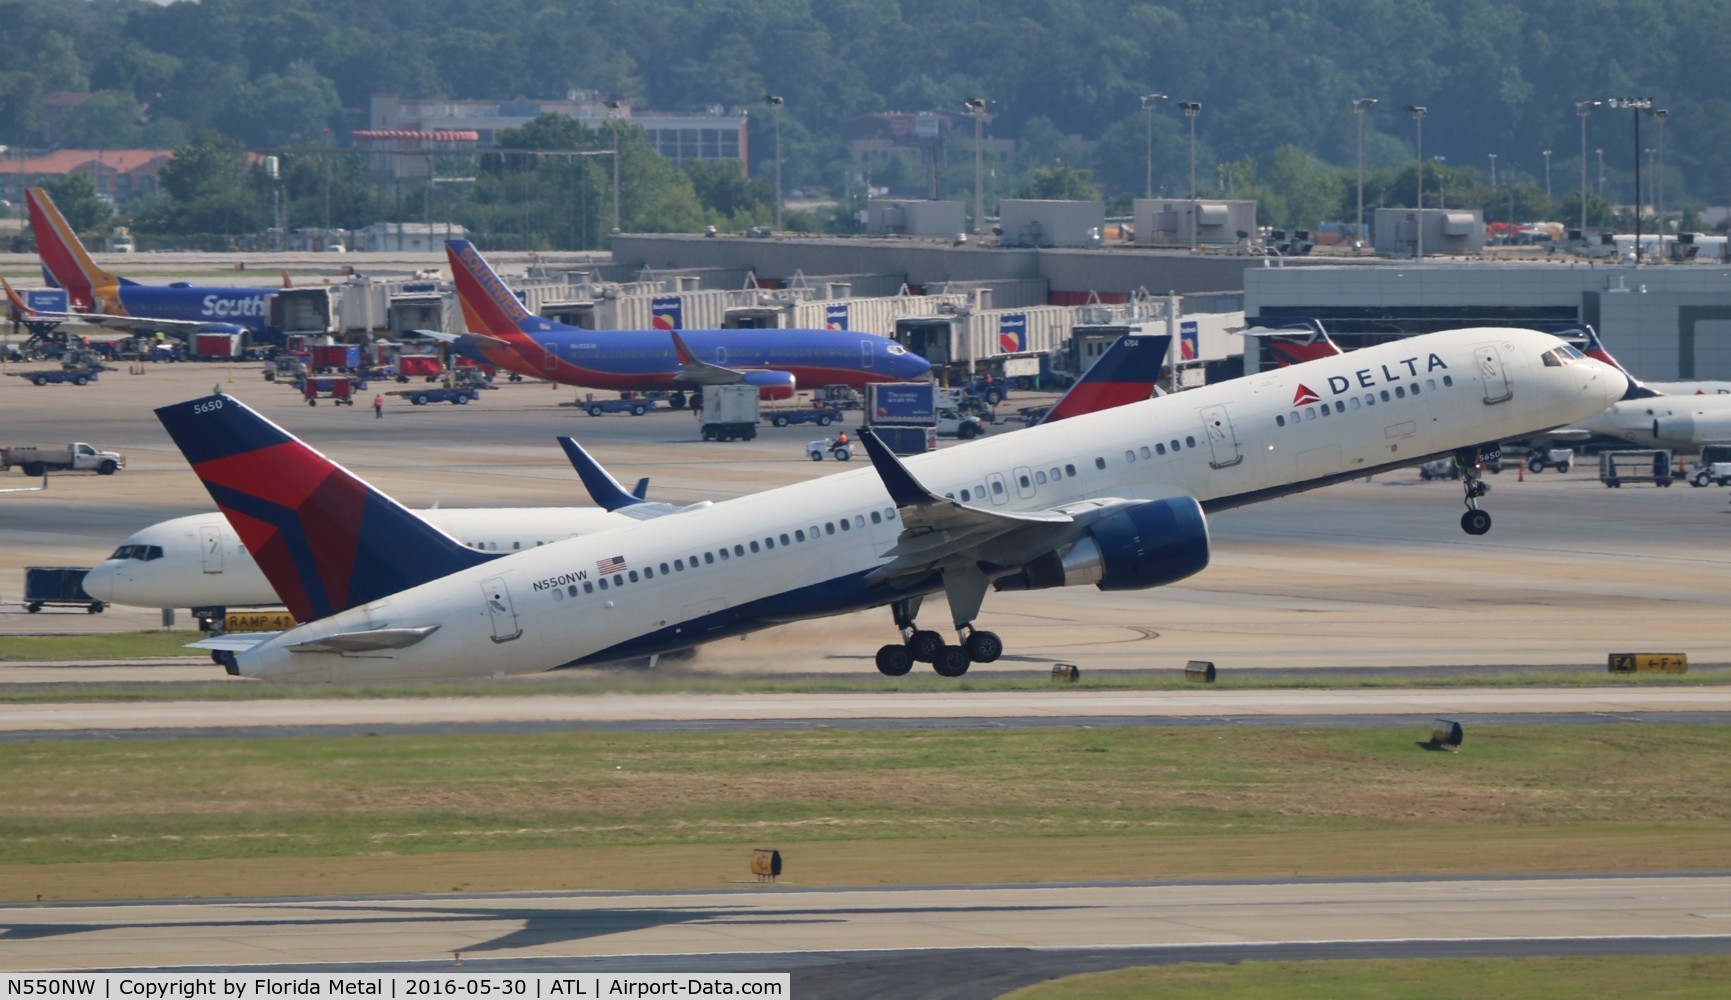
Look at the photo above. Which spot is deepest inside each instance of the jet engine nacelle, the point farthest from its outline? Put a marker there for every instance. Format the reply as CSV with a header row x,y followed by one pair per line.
x,y
1691,428
771,385
1148,545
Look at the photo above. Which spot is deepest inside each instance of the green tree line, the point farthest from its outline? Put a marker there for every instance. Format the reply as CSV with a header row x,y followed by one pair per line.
x,y
1275,79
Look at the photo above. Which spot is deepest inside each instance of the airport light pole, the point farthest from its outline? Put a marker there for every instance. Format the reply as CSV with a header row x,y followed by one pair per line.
x,y
1418,112
1149,103
1548,174
977,107
613,124
1637,105
1583,109
1359,107
1493,171
1442,183
1600,188
1659,115
775,104
1192,111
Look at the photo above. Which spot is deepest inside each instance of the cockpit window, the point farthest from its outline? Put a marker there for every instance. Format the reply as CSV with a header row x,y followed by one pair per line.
x,y
143,553
894,348
1557,357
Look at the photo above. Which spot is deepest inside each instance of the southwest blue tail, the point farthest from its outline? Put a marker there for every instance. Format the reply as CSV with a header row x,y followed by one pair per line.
x,y
1124,373
325,539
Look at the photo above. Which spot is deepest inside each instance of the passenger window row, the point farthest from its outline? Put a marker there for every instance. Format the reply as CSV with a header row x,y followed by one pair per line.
x,y
1354,402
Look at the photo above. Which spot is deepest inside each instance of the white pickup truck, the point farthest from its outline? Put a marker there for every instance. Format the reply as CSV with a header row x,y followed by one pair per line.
x,y
34,460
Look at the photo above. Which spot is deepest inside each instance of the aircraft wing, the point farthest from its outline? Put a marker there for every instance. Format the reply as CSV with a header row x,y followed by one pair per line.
x,y
942,535
233,642
695,372
372,640
475,340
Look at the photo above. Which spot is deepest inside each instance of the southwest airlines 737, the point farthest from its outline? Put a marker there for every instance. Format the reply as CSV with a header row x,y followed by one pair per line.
x,y
1117,499
96,295
777,361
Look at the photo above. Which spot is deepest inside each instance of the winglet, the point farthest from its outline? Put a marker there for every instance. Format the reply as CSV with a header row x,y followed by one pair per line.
x,y
904,489
602,487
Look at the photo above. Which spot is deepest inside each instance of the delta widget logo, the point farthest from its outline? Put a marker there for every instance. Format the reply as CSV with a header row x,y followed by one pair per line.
x,y
1304,395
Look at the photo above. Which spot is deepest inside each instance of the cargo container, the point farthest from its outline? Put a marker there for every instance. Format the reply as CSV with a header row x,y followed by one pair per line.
x,y
219,346
900,403
57,585
332,357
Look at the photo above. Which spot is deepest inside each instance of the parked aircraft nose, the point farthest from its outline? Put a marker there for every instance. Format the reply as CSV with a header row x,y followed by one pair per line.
x,y
101,581
1615,383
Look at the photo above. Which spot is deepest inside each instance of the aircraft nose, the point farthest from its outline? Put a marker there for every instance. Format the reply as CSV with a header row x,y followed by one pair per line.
x,y
99,582
1615,382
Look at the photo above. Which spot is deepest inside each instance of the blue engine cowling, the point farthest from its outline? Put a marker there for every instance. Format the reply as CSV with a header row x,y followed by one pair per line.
x,y
1148,545
771,384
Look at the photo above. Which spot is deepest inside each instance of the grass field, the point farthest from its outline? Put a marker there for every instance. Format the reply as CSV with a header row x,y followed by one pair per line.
x,y
683,809
1447,979
98,645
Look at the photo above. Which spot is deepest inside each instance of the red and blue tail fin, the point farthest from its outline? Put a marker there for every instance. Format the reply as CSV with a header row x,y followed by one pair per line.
x,y
325,539
65,263
489,306
1293,340
1125,373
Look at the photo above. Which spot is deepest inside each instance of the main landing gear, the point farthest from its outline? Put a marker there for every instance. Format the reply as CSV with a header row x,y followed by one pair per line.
x,y
927,646
1474,521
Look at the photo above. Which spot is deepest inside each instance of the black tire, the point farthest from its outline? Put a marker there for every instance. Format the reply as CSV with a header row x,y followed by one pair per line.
x,y
80,380
33,607
1535,465
824,421
401,379
842,454
968,432
463,400
419,399
983,647
312,402
34,469
676,401
95,608
1476,522
1664,482
779,420
993,397
893,660
1700,478
40,380
817,454
924,645
107,467
596,410
1424,474
1564,469
951,661
709,434
639,410
270,376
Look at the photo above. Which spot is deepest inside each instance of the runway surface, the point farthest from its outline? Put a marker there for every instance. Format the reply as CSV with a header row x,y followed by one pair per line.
x,y
506,713
964,940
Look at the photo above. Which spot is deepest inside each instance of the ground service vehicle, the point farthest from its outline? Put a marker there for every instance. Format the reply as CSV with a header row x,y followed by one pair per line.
x,y
76,376
35,459
730,412
957,425
782,418
1554,458
1713,465
635,407
57,585
836,448
338,389
460,395
1646,465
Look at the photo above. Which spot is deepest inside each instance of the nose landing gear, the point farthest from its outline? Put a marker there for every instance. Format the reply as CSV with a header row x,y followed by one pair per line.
x,y
1476,521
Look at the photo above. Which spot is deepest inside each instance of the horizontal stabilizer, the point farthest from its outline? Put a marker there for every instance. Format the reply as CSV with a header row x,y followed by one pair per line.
x,y
233,642
606,491
370,641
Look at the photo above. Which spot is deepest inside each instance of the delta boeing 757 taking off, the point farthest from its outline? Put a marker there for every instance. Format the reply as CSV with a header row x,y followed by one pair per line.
x,y
1116,499
775,360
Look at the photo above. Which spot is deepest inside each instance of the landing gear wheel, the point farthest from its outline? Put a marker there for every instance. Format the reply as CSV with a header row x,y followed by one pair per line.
x,y
1476,522
925,645
951,661
983,647
894,660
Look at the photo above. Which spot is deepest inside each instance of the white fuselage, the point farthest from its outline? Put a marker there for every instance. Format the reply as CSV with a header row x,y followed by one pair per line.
x,y
1684,422
199,562
804,551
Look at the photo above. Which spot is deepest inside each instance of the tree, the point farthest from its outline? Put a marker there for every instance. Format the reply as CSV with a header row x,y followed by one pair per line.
x,y
1061,184
75,196
732,200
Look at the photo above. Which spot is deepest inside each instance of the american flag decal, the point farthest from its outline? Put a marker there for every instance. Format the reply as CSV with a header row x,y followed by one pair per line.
x,y
613,565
